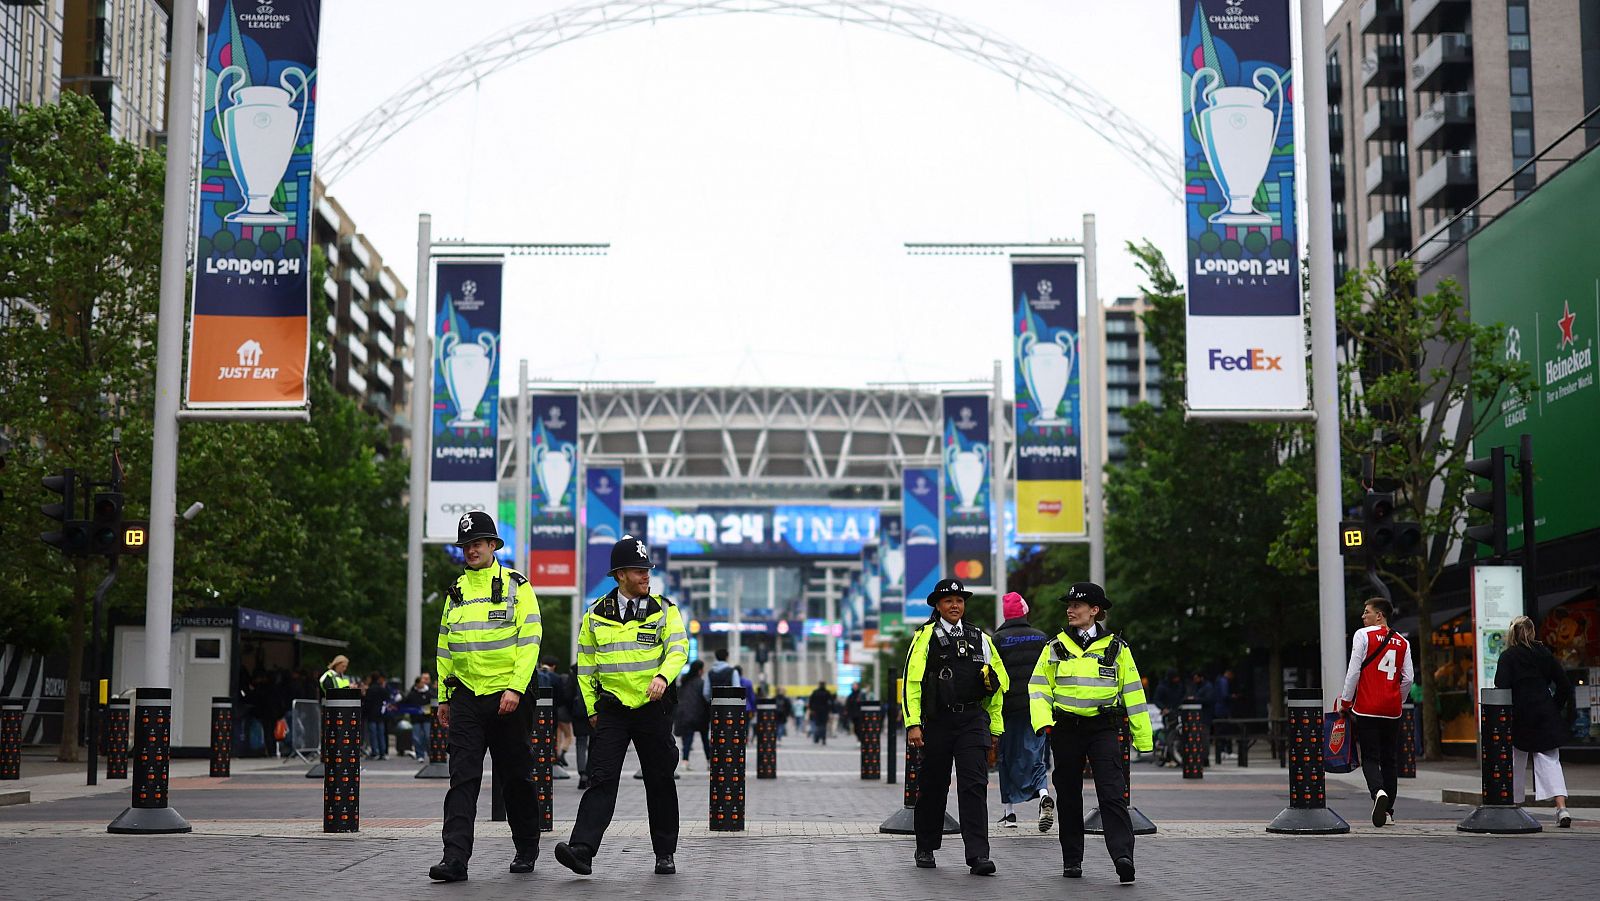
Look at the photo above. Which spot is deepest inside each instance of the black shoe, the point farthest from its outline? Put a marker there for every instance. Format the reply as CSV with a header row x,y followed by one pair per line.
x,y
1124,867
583,783
1072,872
523,862
925,860
575,858
665,865
981,866
448,870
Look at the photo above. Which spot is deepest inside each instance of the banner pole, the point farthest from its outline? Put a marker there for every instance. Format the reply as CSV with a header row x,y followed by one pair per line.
x,y
522,446
997,490
421,437
1094,406
581,593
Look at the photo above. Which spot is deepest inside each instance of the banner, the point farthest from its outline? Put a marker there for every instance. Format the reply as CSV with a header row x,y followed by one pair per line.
x,y
919,511
892,563
249,327
464,468
785,531
553,505
1049,408
871,581
1246,332
965,507
602,523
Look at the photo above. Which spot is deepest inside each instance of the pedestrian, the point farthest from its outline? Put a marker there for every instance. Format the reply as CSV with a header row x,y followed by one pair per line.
x,y
1202,692
1023,776
722,674
1541,696
372,703
631,647
1375,687
852,709
335,676
421,696
954,686
818,707
1222,707
785,710
1168,698
693,716
1083,685
489,637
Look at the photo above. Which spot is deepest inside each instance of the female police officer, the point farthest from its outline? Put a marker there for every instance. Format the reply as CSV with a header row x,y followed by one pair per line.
x,y
1084,681
953,690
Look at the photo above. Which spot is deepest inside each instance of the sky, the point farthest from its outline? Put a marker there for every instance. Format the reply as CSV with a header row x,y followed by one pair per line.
x,y
756,177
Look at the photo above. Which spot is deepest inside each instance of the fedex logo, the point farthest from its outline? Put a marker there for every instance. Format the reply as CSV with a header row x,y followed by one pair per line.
x,y
1253,359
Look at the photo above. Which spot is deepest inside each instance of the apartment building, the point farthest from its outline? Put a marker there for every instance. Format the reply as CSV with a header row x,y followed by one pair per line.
x,y
115,52
30,52
1132,370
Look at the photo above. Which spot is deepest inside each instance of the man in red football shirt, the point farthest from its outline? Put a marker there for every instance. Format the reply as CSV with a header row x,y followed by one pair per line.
x,y
1375,686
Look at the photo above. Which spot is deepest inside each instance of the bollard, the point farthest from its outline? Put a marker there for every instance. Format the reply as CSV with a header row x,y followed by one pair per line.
x,y
11,741
727,759
1141,823
1194,744
766,739
221,737
1408,741
117,739
1499,813
1307,813
438,765
871,749
903,821
543,741
148,813
341,760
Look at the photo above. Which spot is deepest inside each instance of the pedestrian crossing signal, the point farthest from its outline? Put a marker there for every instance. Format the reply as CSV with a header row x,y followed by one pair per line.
x,y
1352,538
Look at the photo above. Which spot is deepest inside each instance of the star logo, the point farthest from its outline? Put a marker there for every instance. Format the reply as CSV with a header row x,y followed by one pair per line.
x,y
1565,322
466,521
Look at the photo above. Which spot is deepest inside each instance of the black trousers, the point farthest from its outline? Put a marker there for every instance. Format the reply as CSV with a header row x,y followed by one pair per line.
x,y
649,728
1379,740
475,726
963,739
1073,742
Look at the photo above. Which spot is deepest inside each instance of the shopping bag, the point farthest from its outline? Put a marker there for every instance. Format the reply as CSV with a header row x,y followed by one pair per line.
x,y
1339,753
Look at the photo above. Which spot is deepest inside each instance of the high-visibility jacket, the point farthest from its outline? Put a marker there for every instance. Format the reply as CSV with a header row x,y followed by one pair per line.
x,y
1077,681
489,634
331,680
912,700
622,658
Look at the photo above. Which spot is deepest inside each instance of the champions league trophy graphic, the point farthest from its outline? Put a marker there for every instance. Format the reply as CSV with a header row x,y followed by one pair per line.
x,y
554,467
466,367
1047,367
259,130
1237,131
966,471
894,566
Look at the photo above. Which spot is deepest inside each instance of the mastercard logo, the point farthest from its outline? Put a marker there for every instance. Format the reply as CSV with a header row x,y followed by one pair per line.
x,y
1050,508
969,569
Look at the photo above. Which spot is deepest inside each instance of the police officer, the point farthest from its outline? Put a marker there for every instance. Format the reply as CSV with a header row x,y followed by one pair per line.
x,y
631,646
334,677
488,648
953,692
1084,683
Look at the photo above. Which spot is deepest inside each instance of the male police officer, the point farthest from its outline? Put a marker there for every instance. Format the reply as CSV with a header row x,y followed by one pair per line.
x,y
953,689
488,648
1075,688
631,647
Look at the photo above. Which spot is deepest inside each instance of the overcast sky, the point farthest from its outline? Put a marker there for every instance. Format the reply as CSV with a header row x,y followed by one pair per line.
x,y
756,176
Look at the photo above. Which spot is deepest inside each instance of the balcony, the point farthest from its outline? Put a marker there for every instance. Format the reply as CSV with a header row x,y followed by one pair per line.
x,y
1450,183
330,288
1336,178
1335,129
384,374
1444,65
1384,67
1341,231
1436,16
356,381
1386,174
1445,237
359,320
1381,17
385,314
1447,124
1384,121
385,346
358,351
1390,228
387,283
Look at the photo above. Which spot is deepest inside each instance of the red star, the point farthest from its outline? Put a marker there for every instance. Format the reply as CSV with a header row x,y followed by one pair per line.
x,y
1566,323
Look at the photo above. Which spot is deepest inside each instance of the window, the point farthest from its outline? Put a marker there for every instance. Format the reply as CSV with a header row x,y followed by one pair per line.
x,y
1521,81
1118,398
206,649
1521,145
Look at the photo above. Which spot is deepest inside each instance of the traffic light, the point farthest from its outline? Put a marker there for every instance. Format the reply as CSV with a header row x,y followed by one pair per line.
x,y
1493,468
1377,534
1377,513
105,536
72,537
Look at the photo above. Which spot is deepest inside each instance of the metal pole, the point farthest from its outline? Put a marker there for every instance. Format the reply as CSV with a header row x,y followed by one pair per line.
x,y
522,446
421,441
1324,382
830,614
997,490
1530,545
580,596
169,352
1094,407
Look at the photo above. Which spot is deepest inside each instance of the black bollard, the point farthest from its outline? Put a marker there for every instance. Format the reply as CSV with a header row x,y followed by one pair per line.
x,y
727,758
341,760
767,739
1307,813
871,747
152,745
1194,742
221,737
438,765
1499,814
1408,741
117,739
10,741
1141,823
543,739
903,821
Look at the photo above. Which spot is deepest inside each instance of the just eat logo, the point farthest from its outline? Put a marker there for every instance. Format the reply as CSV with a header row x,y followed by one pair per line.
x,y
1253,359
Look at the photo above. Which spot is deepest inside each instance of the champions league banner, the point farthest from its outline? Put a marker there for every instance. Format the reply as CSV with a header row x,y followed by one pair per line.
x,y
871,580
553,506
965,504
892,565
602,523
250,343
464,471
1049,407
919,511
1246,330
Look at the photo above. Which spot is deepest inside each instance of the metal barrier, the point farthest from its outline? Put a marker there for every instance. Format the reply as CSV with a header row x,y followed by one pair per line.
x,y
10,741
1194,742
1408,741
305,729
341,760
871,737
117,718
438,765
766,739
1141,823
149,814
543,741
1307,813
727,758
1499,813
221,737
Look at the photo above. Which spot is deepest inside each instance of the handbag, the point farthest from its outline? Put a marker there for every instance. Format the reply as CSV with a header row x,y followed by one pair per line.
x,y
1340,753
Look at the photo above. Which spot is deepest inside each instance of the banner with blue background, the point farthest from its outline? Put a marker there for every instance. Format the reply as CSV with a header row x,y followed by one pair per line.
x,y
553,504
1049,408
602,523
919,510
966,519
464,468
